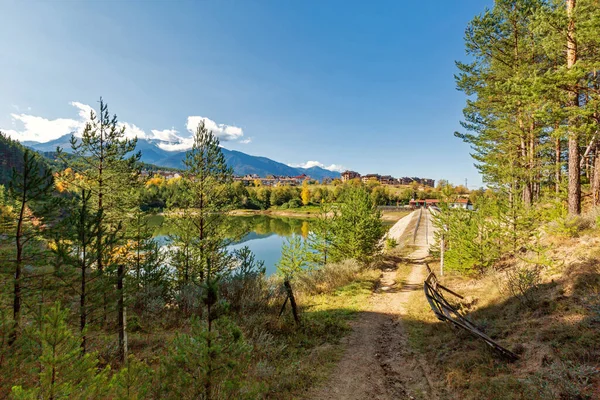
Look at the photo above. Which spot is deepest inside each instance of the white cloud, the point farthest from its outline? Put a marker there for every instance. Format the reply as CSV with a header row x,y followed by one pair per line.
x,y
168,135
85,111
40,129
310,164
27,127
222,131
180,145
132,131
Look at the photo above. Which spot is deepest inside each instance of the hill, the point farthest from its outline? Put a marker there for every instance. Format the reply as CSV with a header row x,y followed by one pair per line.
x,y
11,156
242,163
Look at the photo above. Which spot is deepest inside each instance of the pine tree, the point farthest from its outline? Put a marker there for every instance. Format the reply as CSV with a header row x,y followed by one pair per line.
x,y
64,372
532,86
105,159
201,230
206,364
151,277
320,236
133,381
356,227
75,248
32,185
574,198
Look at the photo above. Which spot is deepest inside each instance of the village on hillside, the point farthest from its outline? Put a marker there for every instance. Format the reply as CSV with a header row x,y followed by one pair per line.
x,y
386,179
272,180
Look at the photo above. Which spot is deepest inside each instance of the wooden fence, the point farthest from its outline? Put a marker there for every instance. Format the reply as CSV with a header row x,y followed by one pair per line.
x,y
444,311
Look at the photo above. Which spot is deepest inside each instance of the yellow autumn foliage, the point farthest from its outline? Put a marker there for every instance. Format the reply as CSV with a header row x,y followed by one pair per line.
x,y
155,181
173,181
305,193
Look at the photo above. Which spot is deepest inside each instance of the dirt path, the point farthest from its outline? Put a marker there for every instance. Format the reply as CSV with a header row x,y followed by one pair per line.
x,y
377,363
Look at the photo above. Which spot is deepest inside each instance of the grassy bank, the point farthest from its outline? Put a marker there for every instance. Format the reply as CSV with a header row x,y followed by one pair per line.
x,y
301,212
311,212
553,326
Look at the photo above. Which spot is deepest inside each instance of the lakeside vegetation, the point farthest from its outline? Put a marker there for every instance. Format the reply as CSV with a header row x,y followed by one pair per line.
x,y
100,308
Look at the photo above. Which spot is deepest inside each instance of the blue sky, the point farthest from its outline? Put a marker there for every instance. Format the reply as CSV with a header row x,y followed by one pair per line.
x,y
364,85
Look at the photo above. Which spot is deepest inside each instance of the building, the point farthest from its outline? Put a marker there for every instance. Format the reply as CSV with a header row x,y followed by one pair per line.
x,y
387,180
368,177
458,203
461,203
166,175
300,179
272,180
428,182
349,175
421,181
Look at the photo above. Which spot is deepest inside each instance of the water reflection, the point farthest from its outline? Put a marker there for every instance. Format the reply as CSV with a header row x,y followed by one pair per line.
x,y
264,235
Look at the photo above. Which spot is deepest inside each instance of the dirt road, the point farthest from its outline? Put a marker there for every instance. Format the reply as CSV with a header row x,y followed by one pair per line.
x,y
377,363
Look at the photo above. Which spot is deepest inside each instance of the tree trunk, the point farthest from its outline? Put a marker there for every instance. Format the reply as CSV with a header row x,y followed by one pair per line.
x,y
83,266
557,166
596,179
288,288
524,164
18,266
209,371
120,312
574,198
82,308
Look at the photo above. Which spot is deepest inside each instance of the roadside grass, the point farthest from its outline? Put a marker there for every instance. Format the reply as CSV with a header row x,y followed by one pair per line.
x,y
306,354
555,334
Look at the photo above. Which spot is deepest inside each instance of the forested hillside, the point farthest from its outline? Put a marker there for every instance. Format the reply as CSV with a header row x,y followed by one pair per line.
x,y
11,156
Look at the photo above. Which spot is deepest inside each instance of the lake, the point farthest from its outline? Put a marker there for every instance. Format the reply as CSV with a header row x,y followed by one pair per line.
x,y
264,235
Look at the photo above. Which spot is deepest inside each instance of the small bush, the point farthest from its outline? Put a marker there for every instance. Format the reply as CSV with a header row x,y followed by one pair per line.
x,y
328,278
523,282
390,243
294,203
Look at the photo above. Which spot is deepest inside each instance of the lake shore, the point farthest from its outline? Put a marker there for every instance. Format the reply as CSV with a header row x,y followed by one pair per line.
x,y
297,213
311,212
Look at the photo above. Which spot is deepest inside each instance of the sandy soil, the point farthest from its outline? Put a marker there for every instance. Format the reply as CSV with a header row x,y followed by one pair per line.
x,y
377,363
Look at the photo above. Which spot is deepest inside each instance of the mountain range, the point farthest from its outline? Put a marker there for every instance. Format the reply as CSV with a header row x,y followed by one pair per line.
x,y
242,163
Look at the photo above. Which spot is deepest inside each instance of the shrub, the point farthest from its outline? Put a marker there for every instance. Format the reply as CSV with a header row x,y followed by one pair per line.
x,y
206,363
294,203
391,243
244,287
328,277
523,282
563,224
